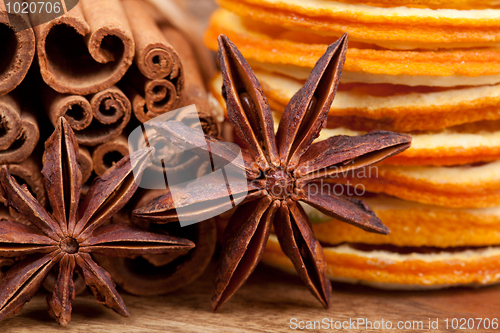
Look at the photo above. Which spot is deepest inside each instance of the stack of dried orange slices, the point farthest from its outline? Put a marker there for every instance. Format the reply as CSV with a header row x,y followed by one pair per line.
x,y
430,68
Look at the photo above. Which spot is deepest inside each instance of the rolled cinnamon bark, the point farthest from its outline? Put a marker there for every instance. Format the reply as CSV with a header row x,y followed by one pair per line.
x,y
26,173
10,121
86,163
19,132
95,119
76,109
160,274
152,98
170,11
154,56
194,87
17,42
107,154
86,50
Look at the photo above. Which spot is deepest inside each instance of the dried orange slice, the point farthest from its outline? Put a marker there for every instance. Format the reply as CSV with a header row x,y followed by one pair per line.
x,y
389,270
275,53
455,187
466,144
414,225
434,4
391,27
395,108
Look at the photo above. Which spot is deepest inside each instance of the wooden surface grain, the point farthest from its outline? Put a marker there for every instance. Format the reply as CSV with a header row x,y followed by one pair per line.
x,y
266,303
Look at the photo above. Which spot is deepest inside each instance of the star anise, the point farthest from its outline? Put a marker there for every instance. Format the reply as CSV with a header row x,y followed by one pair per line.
x,y
282,170
72,232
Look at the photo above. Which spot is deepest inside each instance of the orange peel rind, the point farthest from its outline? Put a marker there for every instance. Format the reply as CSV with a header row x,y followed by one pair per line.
x,y
454,187
370,65
453,146
449,147
414,225
387,270
434,4
395,108
391,27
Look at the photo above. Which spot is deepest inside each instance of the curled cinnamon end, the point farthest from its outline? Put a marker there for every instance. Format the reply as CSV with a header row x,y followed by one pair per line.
x,y
19,132
95,119
86,163
111,107
10,121
26,173
160,274
76,109
161,96
86,50
17,50
109,153
154,56
152,98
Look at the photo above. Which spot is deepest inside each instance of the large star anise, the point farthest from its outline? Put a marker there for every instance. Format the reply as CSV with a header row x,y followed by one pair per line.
x,y
282,169
72,232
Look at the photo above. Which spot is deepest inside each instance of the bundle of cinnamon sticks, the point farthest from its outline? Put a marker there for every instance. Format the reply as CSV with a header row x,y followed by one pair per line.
x,y
106,66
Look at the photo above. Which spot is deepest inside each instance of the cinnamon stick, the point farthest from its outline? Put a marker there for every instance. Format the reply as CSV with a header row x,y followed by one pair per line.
x,y
194,87
191,28
95,119
86,163
19,132
151,98
17,50
76,109
154,56
160,274
26,173
86,50
107,154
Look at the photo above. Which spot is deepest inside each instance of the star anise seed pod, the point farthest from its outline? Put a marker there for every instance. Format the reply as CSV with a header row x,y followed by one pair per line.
x,y
282,170
73,231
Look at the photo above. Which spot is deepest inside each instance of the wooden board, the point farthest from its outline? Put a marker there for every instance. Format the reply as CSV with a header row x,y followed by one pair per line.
x,y
266,303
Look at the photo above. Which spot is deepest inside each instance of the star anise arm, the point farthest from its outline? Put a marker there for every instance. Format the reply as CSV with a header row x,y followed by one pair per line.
x,y
23,280
199,200
101,284
343,208
17,239
129,241
110,192
59,302
244,243
62,175
21,199
247,106
206,147
299,244
340,154
306,114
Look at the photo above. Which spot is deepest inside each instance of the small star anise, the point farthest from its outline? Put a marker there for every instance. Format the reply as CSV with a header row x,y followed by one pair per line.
x,y
282,169
72,232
